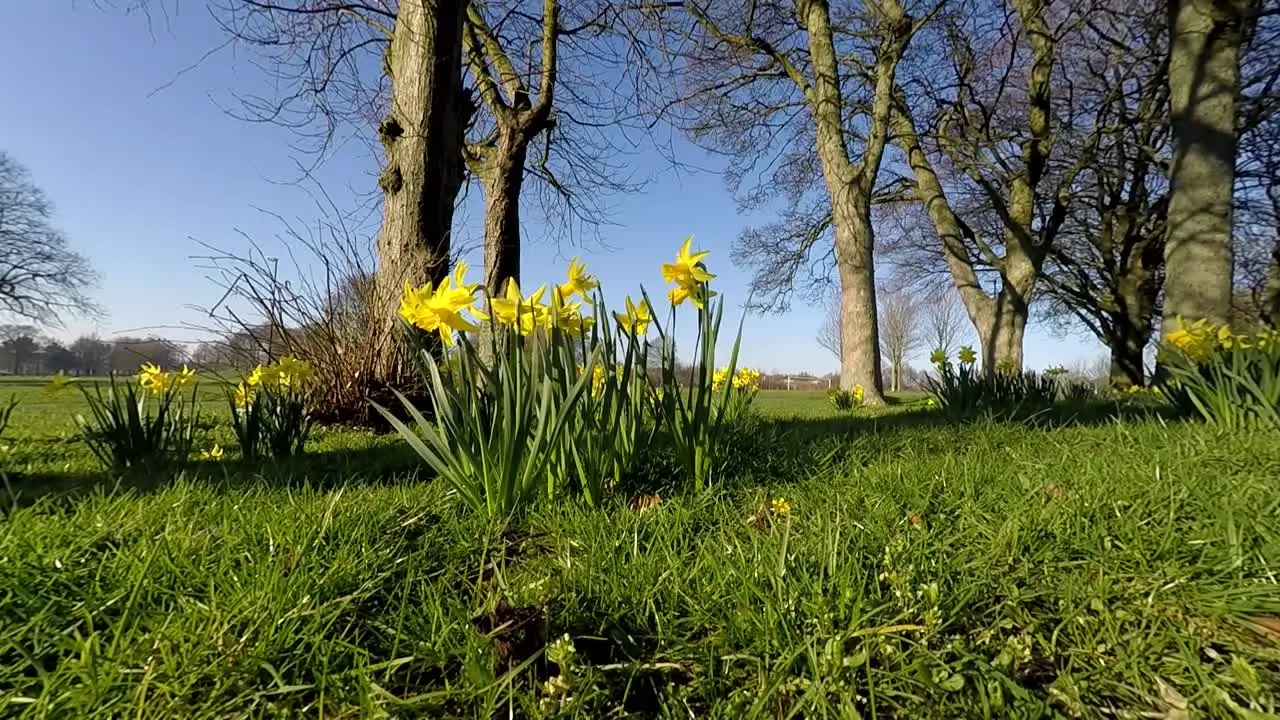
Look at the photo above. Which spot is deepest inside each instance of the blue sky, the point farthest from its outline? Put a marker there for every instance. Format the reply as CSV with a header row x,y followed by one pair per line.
x,y
142,161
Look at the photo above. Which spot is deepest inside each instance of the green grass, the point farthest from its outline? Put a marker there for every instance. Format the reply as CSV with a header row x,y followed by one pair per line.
x,y
925,570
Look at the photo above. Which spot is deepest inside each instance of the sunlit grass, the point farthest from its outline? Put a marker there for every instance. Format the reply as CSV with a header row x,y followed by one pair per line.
x,y
923,570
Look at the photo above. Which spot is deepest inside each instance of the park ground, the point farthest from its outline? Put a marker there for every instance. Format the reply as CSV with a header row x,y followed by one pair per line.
x,y
1078,565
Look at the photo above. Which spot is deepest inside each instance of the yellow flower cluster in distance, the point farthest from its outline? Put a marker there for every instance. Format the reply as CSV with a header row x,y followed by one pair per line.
x,y
289,373
781,506
213,453
858,394
158,382
746,379
689,274
440,309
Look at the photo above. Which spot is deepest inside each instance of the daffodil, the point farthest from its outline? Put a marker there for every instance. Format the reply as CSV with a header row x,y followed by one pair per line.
x,y
294,373
153,379
567,314
931,403
746,379
263,375
213,453
718,378
518,312
637,318
580,282
689,274
939,357
59,381
244,395
184,378
967,355
781,506
858,394
439,310
697,294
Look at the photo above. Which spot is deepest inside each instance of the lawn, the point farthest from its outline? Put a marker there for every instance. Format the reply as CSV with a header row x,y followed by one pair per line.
x,y
1080,567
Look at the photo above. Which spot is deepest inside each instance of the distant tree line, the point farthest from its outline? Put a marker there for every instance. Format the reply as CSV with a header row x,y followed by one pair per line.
x,y
25,351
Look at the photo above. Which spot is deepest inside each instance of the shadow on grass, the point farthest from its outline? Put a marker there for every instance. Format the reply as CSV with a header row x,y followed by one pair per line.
x,y
374,465
766,450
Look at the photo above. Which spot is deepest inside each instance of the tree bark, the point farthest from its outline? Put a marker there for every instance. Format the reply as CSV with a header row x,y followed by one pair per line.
x,y
849,184
499,159
422,136
1206,37
1126,344
503,178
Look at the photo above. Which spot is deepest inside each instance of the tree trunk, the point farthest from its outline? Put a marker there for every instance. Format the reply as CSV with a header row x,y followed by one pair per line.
x,y
1204,81
422,136
1126,343
1271,300
859,327
503,178
1001,327
896,382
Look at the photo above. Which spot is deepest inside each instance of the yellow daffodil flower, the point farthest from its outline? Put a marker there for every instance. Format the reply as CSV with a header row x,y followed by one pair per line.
x,y
697,294
689,275
939,357
567,315
858,394
580,282
439,310
153,379
263,375
60,380
967,355
522,314
214,453
184,378
781,506
294,373
244,395
637,318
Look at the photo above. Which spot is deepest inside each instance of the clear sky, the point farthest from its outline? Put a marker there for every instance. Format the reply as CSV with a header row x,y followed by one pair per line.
x,y
143,162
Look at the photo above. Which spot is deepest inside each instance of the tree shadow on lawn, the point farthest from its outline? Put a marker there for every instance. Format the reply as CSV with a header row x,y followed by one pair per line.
x,y
381,464
793,444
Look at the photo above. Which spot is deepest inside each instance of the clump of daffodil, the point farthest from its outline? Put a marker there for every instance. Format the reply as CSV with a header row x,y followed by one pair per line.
x,y
523,314
858,394
1056,371
637,318
746,379
567,315
154,380
440,309
213,453
689,275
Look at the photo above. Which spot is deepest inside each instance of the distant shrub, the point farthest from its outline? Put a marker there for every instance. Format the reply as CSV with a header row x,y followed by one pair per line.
x,y
961,391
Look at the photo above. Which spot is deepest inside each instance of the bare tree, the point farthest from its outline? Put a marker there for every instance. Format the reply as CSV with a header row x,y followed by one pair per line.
x,y
1207,39
1107,264
943,324
41,278
980,129
830,331
798,95
900,334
